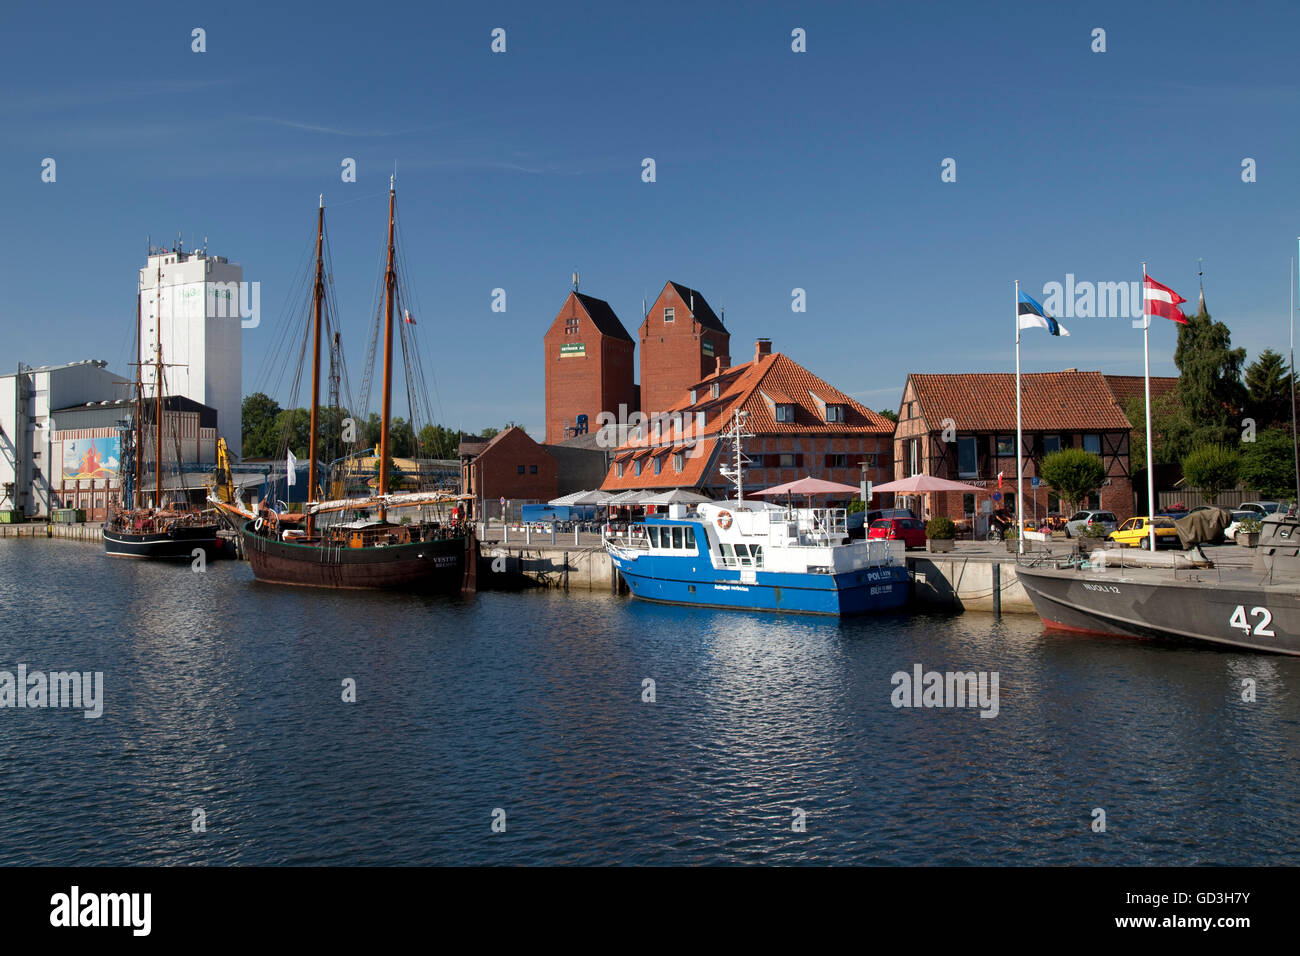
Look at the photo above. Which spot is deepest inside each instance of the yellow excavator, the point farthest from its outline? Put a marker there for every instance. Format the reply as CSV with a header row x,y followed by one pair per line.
x,y
222,493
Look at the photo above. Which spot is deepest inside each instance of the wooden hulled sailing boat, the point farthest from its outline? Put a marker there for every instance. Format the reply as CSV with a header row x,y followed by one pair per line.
x,y
132,529
365,552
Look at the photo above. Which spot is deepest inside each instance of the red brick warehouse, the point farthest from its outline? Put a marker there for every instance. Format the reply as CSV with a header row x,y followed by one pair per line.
x,y
589,366
682,342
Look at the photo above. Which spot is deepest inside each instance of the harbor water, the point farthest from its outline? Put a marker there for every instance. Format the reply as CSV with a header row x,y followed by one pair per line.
x,y
513,728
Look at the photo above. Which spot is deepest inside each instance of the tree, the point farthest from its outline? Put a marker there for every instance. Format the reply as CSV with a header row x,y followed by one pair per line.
x,y
1171,431
1212,469
260,413
490,433
1268,465
1268,392
1074,473
1209,379
889,413
401,439
435,441
292,432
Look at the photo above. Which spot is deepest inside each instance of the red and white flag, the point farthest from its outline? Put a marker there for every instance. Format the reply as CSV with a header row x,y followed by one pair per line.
x,y
1163,301
411,321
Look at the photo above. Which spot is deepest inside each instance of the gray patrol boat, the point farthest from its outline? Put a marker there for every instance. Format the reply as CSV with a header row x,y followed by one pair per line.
x,y
1255,607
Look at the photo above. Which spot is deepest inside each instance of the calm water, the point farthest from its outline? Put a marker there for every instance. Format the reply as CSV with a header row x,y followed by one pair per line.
x,y
225,694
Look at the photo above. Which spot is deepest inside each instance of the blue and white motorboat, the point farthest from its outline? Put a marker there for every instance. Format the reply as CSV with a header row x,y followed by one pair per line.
x,y
758,556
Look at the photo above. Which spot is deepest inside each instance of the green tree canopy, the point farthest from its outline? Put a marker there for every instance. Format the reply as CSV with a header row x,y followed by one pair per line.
x,y
1209,379
889,413
1268,390
1074,473
260,436
1170,430
1268,464
1212,469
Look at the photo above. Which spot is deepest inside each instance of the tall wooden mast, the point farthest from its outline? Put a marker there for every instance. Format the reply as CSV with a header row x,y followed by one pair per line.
x,y
317,295
157,392
137,493
390,292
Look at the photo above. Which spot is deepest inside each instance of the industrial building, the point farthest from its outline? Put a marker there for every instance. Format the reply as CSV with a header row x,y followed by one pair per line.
x,y
199,300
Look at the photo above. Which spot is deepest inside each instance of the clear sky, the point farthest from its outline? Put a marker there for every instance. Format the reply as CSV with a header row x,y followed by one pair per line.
x,y
775,170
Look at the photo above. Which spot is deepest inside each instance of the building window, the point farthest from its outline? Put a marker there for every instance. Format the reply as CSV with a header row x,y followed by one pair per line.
x,y
967,458
520,469
968,504
835,413
785,412
636,467
837,461
1053,503
914,457
669,316
715,390
694,396
658,465
532,469
618,469
1051,443
1006,446
789,461
571,327
1092,443
679,462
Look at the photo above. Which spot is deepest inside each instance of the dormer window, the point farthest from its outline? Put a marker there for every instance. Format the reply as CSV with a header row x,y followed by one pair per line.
x,y
715,389
835,413
784,412
636,467
618,468
695,396
669,315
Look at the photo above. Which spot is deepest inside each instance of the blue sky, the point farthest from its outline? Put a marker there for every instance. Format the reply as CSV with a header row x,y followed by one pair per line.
x,y
775,170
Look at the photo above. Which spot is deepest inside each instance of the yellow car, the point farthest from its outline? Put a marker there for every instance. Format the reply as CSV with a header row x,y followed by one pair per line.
x,y
1136,533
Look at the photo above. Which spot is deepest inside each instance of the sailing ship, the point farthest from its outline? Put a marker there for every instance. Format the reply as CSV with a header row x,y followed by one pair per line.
x,y
370,551
162,532
758,556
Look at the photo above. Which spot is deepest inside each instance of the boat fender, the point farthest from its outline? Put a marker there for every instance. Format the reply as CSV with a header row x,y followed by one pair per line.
x,y
724,520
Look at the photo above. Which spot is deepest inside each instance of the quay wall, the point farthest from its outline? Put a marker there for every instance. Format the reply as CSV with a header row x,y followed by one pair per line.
x,y
73,532
966,583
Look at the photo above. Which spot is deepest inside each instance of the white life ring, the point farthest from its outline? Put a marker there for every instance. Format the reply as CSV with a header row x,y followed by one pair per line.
x,y
724,520
257,525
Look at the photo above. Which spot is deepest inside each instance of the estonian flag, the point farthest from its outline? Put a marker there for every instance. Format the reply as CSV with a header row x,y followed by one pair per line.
x,y
1032,316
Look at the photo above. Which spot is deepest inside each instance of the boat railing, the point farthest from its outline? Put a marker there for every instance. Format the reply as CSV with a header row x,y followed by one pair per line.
x,y
632,538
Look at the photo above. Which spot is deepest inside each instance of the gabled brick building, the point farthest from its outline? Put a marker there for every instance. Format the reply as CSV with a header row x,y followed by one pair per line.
x,y
682,342
801,425
589,367
963,427
511,465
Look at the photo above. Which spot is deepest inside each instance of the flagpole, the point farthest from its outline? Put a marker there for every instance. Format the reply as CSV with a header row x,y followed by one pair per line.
x,y
1020,470
1295,440
1146,373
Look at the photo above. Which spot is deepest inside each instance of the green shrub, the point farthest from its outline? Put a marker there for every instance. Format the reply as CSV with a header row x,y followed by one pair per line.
x,y
1249,525
940,526
1096,530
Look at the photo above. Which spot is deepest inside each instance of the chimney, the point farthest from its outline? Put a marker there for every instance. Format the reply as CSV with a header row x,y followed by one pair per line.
x,y
723,363
762,347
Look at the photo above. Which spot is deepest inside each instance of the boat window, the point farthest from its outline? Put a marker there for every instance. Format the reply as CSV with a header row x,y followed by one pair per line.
x,y
654,537
690,538
727,554
677,538
742,552
758,555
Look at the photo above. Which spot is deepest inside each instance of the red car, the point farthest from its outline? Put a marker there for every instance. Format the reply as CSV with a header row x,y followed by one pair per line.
x,y
908,530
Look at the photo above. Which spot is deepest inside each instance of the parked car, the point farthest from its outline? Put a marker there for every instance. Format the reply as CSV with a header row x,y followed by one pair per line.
x,y
874,516
1260,507
908,530
1135,533
1085,519
1230,532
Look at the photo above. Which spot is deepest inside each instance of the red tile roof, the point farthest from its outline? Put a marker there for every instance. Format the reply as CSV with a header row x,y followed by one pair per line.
x,y
1124,387
1064,401
777,375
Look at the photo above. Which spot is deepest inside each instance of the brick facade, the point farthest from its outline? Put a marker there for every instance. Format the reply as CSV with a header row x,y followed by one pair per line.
x,y
679,347
1069,409
589,366
495,471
